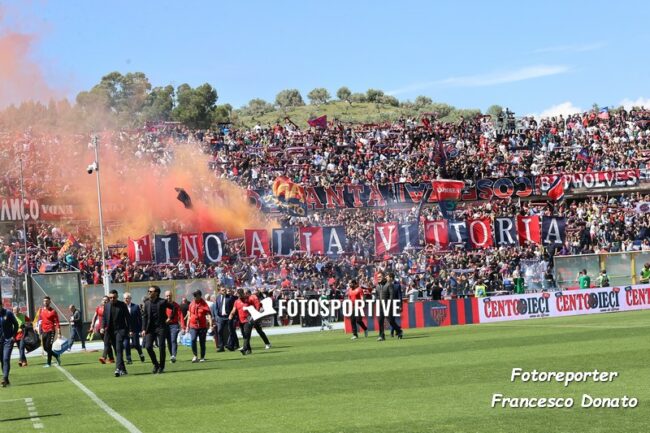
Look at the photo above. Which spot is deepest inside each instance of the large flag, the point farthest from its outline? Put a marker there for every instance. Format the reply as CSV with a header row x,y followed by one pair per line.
x,y
67,245
505,232
191,246
480,232
447,193
604,113
166,248
139,250
556,190
257,243
319,122
528,229
284,241
583,155
213,247
290,196
436,233
184,198
386,238
553,231
334,240
311,240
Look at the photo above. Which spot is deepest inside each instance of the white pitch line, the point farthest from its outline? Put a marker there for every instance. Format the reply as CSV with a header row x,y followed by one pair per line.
x,y
106,408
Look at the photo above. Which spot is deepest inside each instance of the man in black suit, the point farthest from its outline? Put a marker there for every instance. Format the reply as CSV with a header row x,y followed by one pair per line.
x,y
225,337
154,326
384,292
135,318
116,326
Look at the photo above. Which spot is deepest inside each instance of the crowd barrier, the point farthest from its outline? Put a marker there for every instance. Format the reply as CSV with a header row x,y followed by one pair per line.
x,y
564,303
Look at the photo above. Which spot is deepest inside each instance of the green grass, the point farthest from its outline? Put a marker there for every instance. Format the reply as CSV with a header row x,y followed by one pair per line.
x,y
435,380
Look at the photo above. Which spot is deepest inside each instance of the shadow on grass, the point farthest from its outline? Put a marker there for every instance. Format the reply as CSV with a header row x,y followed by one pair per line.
x,y
28,417
35,383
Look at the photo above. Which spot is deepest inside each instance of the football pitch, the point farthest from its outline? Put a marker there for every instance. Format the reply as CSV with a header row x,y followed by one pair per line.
x,y
434,380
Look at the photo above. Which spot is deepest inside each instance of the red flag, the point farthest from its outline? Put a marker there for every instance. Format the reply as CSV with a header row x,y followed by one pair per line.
x,y
528,229
444,189
319,122
436,233
386,240
480,232
257,243
191,246
556,190
139,250
311,240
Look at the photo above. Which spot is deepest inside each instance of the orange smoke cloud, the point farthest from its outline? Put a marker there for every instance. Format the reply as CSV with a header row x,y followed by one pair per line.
x,y
140,198
21,78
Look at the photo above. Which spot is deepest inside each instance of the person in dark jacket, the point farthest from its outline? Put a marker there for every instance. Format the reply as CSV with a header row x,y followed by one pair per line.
x,y
220,311
77,327
397,295
154,327
384,292
135,317
8,330
116,325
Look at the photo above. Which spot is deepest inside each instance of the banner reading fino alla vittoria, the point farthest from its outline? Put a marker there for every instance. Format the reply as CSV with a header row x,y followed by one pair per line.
x,y
389,238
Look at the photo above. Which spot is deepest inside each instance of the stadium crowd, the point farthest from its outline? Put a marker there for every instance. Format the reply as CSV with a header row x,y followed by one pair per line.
x,y
402,151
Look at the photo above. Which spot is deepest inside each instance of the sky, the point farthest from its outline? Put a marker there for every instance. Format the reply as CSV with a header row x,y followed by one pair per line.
x,y
533,57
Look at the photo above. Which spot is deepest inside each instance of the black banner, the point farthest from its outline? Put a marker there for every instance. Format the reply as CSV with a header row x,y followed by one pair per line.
x,y
166,248
505,232
214,246
283,241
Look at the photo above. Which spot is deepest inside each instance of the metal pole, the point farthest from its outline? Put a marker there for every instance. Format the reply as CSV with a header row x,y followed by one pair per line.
x,y
95,142
22,215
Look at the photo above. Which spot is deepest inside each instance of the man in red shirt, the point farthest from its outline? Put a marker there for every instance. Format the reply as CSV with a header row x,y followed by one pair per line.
x,y
255,302
95,326
50,329
175,324
198,320
246,327
355,293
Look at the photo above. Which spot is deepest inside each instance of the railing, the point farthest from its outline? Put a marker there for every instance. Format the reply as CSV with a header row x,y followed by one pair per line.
x,y
622,268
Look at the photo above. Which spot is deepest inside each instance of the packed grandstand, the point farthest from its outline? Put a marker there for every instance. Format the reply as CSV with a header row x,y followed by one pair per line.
x,y
506,165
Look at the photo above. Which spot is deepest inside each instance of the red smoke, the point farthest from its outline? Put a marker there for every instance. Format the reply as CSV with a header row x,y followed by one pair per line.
x,y
138,195
21,78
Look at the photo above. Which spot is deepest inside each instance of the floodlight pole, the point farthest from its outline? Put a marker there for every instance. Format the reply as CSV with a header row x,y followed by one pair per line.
x,y
105,279
22,215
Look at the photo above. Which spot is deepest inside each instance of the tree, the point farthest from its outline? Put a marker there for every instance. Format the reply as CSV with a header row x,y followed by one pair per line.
x,y
221,113
258,107
374,95
344,94
194,107
494,111
389,100
159,104
358,97
423,101
289,98
123,96
319,96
